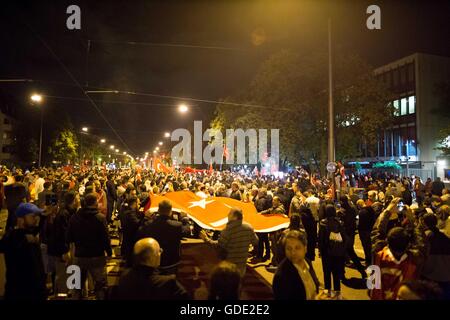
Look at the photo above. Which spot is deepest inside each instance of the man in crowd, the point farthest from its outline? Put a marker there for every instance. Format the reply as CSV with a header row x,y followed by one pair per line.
x,y
168,233
111,194
234,240
88,232
25,275
142,282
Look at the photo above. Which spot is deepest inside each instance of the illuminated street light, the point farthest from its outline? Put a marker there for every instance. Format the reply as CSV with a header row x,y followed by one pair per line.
x,y
85,129
157,148
36,98
182,108
102,141
166,135
160,143
111,146
117,150
124,153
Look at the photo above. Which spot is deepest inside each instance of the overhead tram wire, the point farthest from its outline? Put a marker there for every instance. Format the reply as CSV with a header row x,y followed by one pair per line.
x,y
79,86
107,90
175,45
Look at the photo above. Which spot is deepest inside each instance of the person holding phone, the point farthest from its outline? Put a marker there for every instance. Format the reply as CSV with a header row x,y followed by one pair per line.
x,y
397,214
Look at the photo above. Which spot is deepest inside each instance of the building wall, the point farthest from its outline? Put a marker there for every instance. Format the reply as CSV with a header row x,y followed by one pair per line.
x,y
431,70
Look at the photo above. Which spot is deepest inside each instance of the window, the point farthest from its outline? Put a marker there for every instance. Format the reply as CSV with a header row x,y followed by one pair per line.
x,y
396,142
403,109
412,104
411,141
396,108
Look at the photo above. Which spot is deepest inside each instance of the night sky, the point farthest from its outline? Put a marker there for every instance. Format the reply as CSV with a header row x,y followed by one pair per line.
x,y
247,32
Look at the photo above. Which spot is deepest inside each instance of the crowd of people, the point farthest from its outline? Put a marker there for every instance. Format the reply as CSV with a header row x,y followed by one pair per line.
x,y
65,216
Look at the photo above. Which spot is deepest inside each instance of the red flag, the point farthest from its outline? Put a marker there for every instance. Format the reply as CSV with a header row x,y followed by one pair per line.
x,y
159,166
225,152
210,168
212,213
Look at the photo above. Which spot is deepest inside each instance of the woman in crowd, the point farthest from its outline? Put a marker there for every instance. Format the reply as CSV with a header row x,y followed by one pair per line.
x,y
295,277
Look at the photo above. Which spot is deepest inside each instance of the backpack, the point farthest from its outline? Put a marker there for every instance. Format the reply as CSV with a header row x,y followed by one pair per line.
x,y
336,241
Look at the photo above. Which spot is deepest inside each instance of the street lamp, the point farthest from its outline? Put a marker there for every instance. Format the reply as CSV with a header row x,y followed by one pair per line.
x,y
157,148
182,108
117,150
124,153
37,99
160,143
102,141
111,147
167,135
84,129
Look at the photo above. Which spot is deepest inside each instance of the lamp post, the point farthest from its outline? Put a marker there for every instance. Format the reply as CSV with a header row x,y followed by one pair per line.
x,y
37,99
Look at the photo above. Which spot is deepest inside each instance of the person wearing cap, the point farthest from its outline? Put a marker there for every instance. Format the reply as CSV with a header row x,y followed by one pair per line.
x,y
25,275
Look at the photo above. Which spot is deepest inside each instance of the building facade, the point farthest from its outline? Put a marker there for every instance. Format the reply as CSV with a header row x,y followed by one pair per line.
x,y
412,139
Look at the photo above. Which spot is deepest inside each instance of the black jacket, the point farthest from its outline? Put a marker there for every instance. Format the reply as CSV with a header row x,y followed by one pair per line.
x,y
437,187
407,197
144,283
57,232
132,220
348,216
236,195
111,191
264,203
326,226
87,229
168,233
25,276
366,219
287,283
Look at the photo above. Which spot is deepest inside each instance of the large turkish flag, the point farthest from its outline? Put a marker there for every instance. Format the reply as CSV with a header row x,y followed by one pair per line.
x,y
212,213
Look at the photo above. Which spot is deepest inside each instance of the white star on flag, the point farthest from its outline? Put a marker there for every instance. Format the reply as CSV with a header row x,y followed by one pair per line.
x,y
201,203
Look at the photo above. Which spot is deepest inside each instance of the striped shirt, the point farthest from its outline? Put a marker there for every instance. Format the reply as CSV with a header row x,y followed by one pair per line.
x,y
235,240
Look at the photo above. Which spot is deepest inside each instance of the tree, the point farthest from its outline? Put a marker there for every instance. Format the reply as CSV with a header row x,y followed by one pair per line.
x,y
294,88
442,90
64,147
444,141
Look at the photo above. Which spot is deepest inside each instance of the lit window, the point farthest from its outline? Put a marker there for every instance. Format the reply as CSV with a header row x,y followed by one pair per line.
x,y
403,109
412,104
396,108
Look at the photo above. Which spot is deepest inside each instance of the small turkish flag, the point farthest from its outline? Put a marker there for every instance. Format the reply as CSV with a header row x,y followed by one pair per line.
x,y
159,166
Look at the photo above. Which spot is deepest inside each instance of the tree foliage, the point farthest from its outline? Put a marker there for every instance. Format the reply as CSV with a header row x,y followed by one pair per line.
x,y
291,93
64,147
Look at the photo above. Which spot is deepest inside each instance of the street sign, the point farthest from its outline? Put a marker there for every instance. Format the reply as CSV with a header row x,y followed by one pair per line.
x,y
331,166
